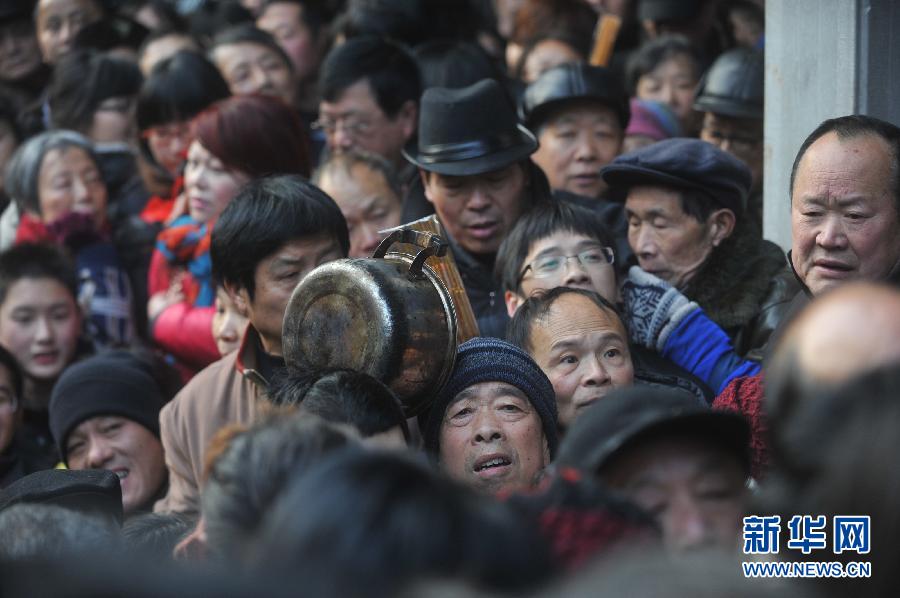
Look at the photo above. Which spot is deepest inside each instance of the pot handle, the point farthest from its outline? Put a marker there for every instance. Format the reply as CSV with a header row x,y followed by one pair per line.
x,y
431,244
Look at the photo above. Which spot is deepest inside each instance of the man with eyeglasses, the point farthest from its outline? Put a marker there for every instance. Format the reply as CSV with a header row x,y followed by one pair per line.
x,y
370,92
730,96
685,201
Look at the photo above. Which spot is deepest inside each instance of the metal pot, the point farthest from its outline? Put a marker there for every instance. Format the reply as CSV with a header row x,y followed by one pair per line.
x,y
389,316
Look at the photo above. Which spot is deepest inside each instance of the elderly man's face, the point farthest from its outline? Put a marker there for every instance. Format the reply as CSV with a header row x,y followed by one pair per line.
x,y
367,202
492,438
124,447
844,214
478,210
740,137
355,121
694,489
583,349
667,242
575,143
249,67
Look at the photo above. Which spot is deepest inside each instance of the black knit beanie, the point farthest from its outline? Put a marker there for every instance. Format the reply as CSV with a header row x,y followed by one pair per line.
x,y
113,383
485,359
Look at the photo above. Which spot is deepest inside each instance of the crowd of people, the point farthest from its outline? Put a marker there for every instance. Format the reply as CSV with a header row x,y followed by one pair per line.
x,y
650,377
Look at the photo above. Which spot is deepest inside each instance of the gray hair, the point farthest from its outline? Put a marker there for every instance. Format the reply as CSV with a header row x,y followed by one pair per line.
x,y
24,168
347,160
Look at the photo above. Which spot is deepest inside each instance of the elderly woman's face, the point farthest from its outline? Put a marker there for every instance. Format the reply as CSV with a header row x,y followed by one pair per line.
x,y
70,181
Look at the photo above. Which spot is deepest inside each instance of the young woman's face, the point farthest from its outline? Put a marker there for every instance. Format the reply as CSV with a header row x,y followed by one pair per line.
x,y
40,324
672,82
168,145
70,181
208,184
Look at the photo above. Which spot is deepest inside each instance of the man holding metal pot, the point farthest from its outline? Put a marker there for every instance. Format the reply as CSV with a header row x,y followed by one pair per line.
x,y
473,159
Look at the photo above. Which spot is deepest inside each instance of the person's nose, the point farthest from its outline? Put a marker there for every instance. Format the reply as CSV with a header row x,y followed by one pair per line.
x,y
586,147
195,176
575,272
667,95
342,139
369,239
595,373
99,453
642,241
686,527
479,200
262,82
832,235
486,426
66,32
43,332
229,331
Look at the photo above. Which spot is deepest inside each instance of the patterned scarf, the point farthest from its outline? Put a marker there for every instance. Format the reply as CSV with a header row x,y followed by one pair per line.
x,y
185,243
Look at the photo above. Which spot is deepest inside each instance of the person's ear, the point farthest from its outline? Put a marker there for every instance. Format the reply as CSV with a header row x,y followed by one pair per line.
x,y
239,297
409,118
423,174
513,301
721,225
546,451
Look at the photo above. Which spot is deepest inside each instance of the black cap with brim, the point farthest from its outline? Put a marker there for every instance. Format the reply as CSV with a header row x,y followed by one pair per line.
x,y
473,157
92,491
626,417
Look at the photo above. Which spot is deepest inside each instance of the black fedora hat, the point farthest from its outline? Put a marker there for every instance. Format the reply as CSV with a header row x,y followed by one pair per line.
x,y
572,82
468,131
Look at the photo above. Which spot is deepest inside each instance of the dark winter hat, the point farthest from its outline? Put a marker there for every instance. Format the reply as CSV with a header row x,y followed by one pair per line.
x,y
628,416
485,359
569,82
85,490
471,130
683,163
114,383
12,10
668,10
733,85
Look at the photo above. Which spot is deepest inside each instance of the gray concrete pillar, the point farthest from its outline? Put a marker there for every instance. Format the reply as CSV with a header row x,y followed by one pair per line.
x,y
824,58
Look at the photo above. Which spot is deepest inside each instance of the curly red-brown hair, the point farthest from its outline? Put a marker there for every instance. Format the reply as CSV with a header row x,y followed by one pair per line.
x,y
255,134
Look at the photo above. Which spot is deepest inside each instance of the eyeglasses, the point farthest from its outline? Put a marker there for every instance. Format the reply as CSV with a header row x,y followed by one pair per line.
x,y
352,124
8,403
740,144
589,259
167,133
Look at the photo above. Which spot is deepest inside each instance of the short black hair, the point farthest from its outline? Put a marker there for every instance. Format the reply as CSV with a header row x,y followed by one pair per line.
x,y
540,222
314,14
211,17
344,396
454,64
518,331
248,33
653,53
850,127
390,70
179,88
82,80
36,260
266,214
15,373
697,204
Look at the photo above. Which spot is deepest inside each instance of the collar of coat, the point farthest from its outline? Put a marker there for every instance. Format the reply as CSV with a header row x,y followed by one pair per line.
x,y
732,284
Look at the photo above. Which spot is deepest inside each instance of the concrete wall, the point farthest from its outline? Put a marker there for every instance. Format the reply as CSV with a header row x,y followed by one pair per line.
x,y
824,58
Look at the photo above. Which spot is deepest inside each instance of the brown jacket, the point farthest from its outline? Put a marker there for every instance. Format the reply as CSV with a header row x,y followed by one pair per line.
x,y
229,391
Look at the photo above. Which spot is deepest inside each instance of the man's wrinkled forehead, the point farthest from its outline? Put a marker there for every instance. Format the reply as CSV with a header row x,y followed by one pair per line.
x,y
574,315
